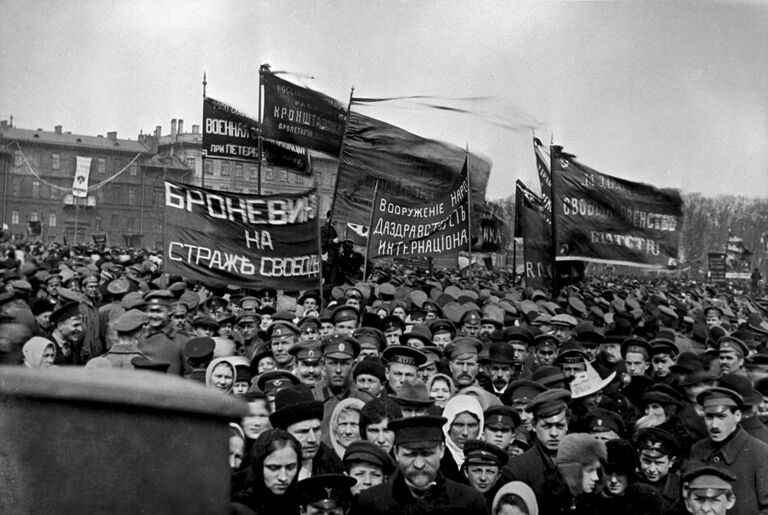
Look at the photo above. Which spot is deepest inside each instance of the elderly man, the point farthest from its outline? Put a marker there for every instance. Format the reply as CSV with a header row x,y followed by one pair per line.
x,y
418,486
462,357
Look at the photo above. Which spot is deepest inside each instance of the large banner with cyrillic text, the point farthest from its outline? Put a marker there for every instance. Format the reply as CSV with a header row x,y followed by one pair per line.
x,y
251,241
228,133
606,219
430,229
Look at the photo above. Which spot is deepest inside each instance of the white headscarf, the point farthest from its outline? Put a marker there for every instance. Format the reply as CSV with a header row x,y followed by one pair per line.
x,y
350,403
33,351
455,406
521,490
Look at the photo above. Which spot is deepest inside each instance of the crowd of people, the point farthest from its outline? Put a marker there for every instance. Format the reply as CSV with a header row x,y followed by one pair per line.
x,y
432,391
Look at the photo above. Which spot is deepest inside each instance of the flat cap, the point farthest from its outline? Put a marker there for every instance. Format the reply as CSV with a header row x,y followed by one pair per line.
x,y
163,297
419,432
732,344
717,397
564,320
709,477
368,452
119,286
484,453
65,312
637,345
130,321
462,346
549,403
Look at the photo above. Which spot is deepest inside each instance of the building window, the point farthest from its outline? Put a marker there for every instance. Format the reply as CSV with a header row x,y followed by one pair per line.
x,y
270,174
157,199
16,186
51,219
97,222
254,173
55,161
225,169
238,171
132,196
115,221
191,163
298,178
208,168
131,224
14,217
284,176
133,169
35,189
34,216
18,159
101,165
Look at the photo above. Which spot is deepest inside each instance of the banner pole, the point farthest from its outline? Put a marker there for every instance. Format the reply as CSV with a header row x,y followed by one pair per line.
x,y
469,215
370,228
341,153
514,260
554,153
202,154
263,68
74,199
319,250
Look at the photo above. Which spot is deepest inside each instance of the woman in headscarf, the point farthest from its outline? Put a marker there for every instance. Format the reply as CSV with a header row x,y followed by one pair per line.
x,y
515,498
38,352
440,388
345,424
220,375
275,462
465,419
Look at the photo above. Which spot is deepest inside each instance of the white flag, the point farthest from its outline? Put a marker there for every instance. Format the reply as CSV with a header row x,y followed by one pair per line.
x,y
82,171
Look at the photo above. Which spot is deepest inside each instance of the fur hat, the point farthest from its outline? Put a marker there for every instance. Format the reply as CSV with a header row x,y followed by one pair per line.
x,y
295,404
580,448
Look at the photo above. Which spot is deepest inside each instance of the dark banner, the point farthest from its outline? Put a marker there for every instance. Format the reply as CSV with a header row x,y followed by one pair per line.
x,y
601,218
249,241
492,234
286,155
301,116
717,266
228,133
99,238
545,177
427,230
537,238
410,170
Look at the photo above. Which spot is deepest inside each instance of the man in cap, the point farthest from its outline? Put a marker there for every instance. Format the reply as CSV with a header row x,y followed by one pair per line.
x,y
500,424
483,462
503,367
713,316
93,340
564,326
470,323
117,289
370,376
708,490
731,352
604,424
283,336
663,353
127,327
310,301
326,494
402,364
67,322
309,326
659,454
418,486
350,262
371,341
161,340
430,367
267,297
413,399
551,415
309,363
393,328
199,353
752,399
443,332
545,349
345,319
247,325
368,464
463,363
731,447
355,298
518,395
636,353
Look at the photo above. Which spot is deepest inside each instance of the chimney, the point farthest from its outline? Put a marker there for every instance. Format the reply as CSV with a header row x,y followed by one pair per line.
x,y
195,129
112,135
181,126
173,126
57,129
158,131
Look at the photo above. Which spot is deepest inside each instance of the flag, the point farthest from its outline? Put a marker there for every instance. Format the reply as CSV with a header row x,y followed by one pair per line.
x,y
358,234
301,116
545,177
532,226
606,219
410,170
228,133
288,155
492,234
429,229
82,172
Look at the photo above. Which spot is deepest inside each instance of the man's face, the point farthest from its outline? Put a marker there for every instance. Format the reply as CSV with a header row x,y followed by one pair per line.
x,y
91,289
307,433
157,316
441,339
590,476
636,363
730,361
72,328
354,302
416,343
240,388
367,475
551,430
661,364
368,352
309,304
721,422
393,336
464,370
499,436
571,369
345,327
178,317
398,373
655,467
590,349
43,320
248,330
712,318
414,411
471,328
268,300
546,355
202,331
326,329
519,350
501,375
51,286
487,328
369,384
427,371
704,502
309,332
309,371
379,435
337,371
280,349
419,466
481,477
563,333
225,330
611,352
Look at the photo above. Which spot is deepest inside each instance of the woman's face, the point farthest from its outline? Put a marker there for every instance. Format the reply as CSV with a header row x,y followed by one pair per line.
x,y
615,484
464,427
590,476
656,411
440,392
399,312
348,427
48,355
236,448
258,420
279,469
222,377
266,365
509,509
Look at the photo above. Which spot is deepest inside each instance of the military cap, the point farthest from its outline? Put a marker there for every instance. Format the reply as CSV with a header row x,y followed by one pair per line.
x,y
419,332
419,432
564,320
541,341
432,307
717,397
549,403
325,316
226,318
281,330
522,391
518,334
709,307
294,404
144,363
133,300
354,293
577,305
266,310
392,323
481,452
501,416
306,351
743,386
668,312
371,366
368,452
275,380
163,297
199,348
664,346
90,277
325,491
344,313
340,346
205,321
308,321
442,325
471,317
586,332
249,303
552,308
731,343
600,420
570,354
404,355
130,321
119,286
20,285
655,443
284,315
637,345
248,318
65,312
462,346
715,480
538,319
370,337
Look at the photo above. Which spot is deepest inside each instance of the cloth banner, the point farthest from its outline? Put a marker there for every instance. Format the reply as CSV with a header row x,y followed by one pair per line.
x,y
287,155
537,238
545,177
82,173
493,232
252,241
301,116
228,133
717,266
410,170
606,219
435,228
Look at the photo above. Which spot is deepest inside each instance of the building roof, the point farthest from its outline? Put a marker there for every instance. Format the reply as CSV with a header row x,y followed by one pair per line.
x,y
74,140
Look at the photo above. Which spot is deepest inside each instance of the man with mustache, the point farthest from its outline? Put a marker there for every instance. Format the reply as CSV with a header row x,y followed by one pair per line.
x,y
729,446
462,356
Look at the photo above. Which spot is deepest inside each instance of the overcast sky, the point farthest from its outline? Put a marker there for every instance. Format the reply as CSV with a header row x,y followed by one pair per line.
x,y
670,93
